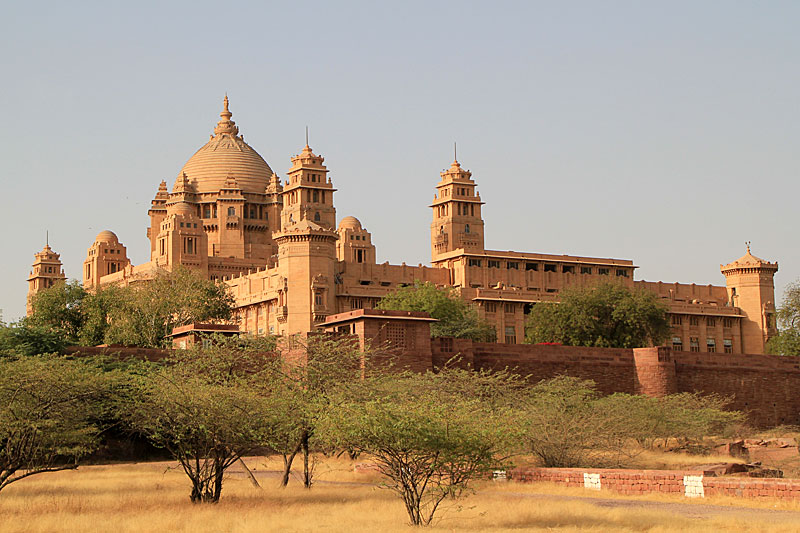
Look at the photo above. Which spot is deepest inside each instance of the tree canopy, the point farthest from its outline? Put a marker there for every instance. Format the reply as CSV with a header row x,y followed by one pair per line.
x,y
142,313
607,315
455,316
207,408
48,412
430,434
787,341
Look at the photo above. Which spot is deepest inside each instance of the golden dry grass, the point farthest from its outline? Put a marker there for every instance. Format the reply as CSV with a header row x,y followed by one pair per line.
x,y
149,497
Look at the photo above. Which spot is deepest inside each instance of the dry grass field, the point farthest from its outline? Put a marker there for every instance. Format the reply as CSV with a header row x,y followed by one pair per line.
x,y
153,497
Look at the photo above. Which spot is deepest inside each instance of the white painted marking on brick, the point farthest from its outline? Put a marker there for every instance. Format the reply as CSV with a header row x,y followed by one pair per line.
x,y
693,487
591,481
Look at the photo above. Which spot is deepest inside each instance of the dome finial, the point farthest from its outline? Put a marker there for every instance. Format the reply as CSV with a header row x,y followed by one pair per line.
x,y
226,125
747,244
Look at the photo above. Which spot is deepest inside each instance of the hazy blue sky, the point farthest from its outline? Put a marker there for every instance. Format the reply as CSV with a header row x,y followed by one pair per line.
x,y
666,133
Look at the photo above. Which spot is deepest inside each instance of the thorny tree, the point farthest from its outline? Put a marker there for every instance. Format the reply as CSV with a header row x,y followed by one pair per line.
x,y
47,410
429,434
314,367
207,408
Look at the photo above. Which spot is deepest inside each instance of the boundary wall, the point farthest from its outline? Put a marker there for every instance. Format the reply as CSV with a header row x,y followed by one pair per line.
x,y
762,386
689,483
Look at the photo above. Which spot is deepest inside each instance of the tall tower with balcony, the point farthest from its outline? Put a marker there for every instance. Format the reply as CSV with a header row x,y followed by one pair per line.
x,y
457,221
306,246
751,288
45,272
308,194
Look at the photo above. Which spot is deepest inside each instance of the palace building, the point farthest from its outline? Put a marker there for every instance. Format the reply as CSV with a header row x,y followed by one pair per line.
x,y
277,245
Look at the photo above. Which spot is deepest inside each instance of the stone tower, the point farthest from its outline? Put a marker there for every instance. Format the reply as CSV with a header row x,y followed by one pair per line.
x,y
308,194
751,288
355,242
45,273
181,240
457,221
105,256
306,246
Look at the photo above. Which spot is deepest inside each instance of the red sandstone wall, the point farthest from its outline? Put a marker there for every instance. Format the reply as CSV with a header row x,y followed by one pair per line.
x,y
764,386
123,352
611,369
665,481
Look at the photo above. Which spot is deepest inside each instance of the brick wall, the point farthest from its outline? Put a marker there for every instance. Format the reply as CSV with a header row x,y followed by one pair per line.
x,y
611,369
690,483
763,386
123,352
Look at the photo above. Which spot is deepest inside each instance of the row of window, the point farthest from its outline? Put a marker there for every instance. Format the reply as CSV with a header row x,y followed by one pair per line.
x,y
462,208
548,267
491,307
256,212
710,321
694,345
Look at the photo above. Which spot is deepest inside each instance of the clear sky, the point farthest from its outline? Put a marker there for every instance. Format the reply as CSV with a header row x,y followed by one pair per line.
x,y
666,133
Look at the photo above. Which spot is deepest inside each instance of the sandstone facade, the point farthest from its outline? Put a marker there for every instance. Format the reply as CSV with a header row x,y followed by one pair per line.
x,y
277,245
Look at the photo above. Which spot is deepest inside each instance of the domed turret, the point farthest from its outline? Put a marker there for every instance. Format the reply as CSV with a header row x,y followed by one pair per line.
x,y
107,236
350,223
181,208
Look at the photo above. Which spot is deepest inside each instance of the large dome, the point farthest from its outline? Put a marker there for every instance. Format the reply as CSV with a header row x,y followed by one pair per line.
x,y
227,155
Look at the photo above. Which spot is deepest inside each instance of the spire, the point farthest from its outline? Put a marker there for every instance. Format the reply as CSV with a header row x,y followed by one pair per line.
x,y
307,138
455,153
747,244
226,125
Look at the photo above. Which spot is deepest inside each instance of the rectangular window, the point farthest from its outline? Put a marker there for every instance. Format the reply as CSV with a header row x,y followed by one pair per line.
x,y
511,265
472,210
316,196
677,320
531,266
551,290
509,308
549,267
710,322
568,269
318,299
602,271
728,345
494,264
491,307
622,273
677,344
693,321
356,303
511,335
586,270
694,344
711,345
727,322
359,256
474,262
206,211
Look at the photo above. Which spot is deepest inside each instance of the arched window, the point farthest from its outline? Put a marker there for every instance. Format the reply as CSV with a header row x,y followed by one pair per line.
x,y
316,217
231,211
466,228
441,230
